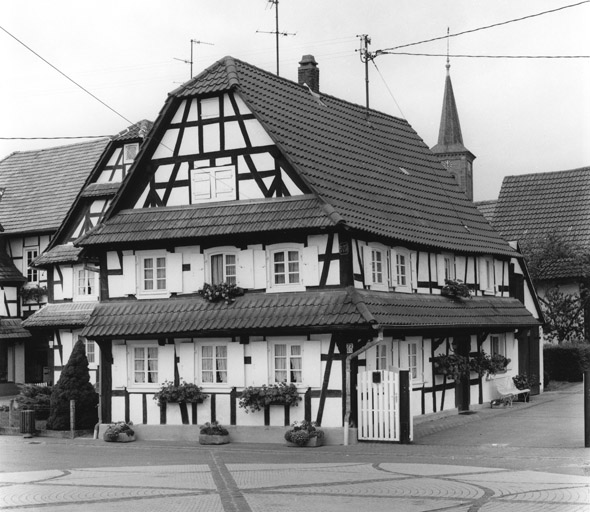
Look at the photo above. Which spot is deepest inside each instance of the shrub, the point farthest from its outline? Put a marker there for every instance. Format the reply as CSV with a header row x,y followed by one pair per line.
x,y
33,397
114,429
566,362
74,384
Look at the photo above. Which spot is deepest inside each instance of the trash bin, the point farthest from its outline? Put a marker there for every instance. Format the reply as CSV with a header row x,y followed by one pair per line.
x,y
27,422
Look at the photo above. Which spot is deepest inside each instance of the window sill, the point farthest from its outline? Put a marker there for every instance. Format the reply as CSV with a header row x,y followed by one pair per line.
x,y
286,288
152,295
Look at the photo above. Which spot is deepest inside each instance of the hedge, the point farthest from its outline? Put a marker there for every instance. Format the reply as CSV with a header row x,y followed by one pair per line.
x,y
567,361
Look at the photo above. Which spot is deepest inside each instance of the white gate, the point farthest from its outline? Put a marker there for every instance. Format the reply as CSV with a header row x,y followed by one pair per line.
x,y
378,406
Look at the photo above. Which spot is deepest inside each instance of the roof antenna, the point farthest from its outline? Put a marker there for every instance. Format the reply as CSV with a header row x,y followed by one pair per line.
x,y
276,30
448,66
193,42
366,56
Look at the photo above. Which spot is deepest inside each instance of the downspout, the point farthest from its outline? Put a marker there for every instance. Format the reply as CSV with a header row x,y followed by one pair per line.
x,y
348,359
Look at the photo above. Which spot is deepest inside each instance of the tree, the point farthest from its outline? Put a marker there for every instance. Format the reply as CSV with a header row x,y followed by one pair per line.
x,y
554,257
74,384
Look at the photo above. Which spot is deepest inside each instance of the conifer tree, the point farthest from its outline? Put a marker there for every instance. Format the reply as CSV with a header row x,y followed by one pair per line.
x,y
74,384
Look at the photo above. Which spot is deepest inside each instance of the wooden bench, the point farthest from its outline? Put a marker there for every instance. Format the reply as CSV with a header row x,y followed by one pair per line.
x,y
508,392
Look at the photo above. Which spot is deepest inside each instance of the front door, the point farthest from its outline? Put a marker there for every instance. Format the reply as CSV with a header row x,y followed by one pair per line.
x,y
462,386
529,357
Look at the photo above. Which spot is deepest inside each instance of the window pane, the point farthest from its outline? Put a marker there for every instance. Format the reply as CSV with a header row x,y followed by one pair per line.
x,y
217,269
230,268
401,270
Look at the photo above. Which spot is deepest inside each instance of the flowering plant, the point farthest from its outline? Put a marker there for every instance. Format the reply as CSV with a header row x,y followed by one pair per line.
x,y
185,392
455,288
301,432
452,366
33,293
257,398
114,429
213,429
221,291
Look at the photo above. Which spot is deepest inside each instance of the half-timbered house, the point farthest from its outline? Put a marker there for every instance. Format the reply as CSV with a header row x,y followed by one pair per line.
x,y
341,227
72,280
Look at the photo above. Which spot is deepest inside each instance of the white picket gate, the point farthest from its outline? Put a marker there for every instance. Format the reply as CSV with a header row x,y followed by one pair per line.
x,y
378,406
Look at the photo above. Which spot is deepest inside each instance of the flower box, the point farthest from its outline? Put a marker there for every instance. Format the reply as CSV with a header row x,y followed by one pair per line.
x,y
313,442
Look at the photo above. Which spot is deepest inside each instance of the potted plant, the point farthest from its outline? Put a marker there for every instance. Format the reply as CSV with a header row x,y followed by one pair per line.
x,y
119,432
498,364
257,398
184,392
220,292
304,433
213,433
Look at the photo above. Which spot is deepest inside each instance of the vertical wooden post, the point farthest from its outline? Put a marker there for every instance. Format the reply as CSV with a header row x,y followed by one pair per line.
x,y
73,418
587,409
405,413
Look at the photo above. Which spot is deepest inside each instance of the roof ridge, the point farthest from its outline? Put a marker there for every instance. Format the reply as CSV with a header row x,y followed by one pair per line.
x,y
546,173
63,146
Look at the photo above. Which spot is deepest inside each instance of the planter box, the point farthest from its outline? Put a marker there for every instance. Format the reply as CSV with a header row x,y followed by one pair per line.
x,y
312,443
121,438
213,439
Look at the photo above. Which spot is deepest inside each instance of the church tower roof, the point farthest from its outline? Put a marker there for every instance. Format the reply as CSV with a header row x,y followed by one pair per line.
x,y
450,139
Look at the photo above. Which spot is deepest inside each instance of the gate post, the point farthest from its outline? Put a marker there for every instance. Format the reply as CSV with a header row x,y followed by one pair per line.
x,y
405,413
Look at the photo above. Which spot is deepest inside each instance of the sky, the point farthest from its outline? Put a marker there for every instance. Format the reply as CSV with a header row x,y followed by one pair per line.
x,y
517,115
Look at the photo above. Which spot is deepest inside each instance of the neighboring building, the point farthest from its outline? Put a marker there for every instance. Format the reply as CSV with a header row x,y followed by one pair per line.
x,y
73,281
454,156
532,207
340,225
38,188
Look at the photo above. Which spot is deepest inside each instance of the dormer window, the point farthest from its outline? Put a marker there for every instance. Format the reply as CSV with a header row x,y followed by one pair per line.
x,y
130,152
223,268
213,184
376,266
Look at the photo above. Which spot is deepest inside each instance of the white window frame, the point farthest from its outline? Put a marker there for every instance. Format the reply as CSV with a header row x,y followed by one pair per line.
x,y
214,345
270,263
381,357
487,275
32,274
132,148
369,269
396,253
500,341
147,348
91,350
289,344
449,267
404,356
88,275
142,256
221,251
216,185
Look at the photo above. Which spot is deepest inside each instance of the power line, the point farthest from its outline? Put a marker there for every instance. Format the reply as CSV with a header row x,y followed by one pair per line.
x,y
386,50
58,138
493,56
66,76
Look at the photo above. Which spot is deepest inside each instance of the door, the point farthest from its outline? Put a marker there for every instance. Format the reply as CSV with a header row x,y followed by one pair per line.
x,y
378,406
529,357
463,386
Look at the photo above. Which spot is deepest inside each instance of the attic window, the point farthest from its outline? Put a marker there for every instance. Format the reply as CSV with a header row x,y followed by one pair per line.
x,y
130,152
213,184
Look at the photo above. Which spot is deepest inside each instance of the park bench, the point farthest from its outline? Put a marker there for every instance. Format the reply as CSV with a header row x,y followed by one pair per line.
x,y
507,392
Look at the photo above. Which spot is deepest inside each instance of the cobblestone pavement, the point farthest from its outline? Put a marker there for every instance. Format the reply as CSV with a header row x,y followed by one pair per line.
x,y
528,458
286,487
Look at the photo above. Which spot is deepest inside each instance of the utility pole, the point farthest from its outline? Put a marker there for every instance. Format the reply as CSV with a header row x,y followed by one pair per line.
x,y
366,56
193,42
276,30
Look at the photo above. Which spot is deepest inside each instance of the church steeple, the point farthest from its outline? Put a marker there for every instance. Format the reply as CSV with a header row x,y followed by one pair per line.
x,y
450,149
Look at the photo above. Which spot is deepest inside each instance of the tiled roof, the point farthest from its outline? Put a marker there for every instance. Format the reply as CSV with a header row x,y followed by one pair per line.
x,y
420,311
210,220
61,314
8,271
40,186
372,168
313,309
101,189
487,209
11,328
252,311
58,254
138,130
533,205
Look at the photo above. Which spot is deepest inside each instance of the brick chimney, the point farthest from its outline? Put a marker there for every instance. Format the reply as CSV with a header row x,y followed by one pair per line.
x,y
309,73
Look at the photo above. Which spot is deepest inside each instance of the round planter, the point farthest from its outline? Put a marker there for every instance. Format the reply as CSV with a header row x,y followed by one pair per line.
x,y
213,439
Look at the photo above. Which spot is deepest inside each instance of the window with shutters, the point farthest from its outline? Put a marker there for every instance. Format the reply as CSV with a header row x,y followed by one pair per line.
x,y
376,266
381,357
213,184
86,283
145,364
285,267
213,363
152,276
222,265
32,273
287,361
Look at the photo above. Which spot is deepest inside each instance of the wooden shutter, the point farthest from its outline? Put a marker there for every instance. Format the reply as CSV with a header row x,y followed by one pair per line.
x,y
258,373
235,364
367,268
312,363
311,270
245,277
174,272
197,261
186,361
120,366
68,282
129,275
460,268
440,269
260,269
414,270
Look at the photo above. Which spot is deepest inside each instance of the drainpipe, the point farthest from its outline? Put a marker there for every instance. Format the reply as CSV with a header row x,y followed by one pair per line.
x,y
348,391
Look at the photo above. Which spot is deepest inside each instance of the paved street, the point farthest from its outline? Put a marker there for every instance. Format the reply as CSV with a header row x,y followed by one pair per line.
x,y
528,458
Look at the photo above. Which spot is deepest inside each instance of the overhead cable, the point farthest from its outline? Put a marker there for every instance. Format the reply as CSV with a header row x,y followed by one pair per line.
x,y
492,56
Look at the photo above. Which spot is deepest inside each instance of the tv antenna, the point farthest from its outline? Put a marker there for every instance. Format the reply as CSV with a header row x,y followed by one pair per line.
x,y
276,31
366,56
193,43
